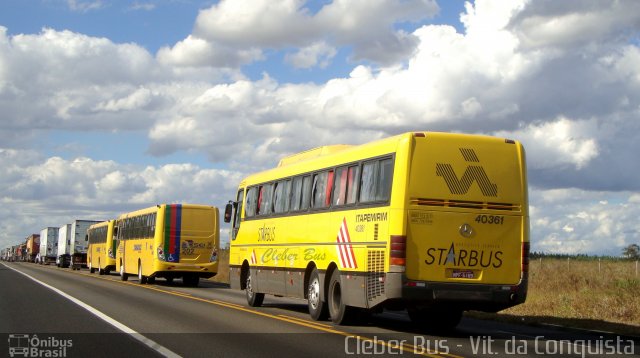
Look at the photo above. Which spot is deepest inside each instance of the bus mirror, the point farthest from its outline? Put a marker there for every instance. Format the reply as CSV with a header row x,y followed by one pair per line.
x,y
227,212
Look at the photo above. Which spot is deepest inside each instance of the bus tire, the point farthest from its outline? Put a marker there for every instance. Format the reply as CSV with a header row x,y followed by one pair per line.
x,y
317,307
340,313
123,275
141,278
254,299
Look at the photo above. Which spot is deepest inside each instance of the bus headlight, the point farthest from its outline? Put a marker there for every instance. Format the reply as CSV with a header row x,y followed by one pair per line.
x,y
214,256
160,253
110,253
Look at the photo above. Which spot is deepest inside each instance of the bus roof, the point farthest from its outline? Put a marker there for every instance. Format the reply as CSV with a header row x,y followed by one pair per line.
x,y
312,153
329,156
153,209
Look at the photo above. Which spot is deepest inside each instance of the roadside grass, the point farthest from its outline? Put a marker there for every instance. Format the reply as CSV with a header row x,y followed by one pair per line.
x,y
589,294
223,267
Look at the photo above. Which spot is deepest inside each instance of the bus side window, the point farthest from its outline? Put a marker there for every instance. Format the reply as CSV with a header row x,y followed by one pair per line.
x,y
340,187
153,224
385,175
367,182
281,196
306,192
236,219
296,194
264,199
250,208
352,184
322,189
375,184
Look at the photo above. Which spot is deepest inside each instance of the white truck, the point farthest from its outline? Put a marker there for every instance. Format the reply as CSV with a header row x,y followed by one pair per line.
x,y
63,257
79,242
48,245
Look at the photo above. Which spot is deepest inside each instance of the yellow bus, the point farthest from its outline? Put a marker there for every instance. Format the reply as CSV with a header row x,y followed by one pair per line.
x,y
101,252
433,223
168,241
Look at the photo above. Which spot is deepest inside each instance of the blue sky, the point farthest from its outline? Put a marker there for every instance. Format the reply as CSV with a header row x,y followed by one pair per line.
x,y
110,105
152,25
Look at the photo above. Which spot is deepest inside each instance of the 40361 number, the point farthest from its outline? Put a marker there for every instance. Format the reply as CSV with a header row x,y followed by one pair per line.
x,y
490,219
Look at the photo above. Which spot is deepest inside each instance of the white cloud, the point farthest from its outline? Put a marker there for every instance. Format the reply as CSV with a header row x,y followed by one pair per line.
x,y
554,144
53,191
318,54
368,26
566,25
85,6
579,221
142,6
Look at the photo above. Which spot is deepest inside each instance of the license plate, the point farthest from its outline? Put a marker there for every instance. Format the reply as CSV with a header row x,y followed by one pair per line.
x,y
462,274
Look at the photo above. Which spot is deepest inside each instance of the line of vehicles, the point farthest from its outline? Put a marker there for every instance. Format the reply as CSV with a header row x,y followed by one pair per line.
x,y
431,223
66,246
168,240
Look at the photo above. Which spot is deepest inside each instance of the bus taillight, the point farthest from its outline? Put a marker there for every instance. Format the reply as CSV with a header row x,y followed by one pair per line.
x,y
398,250
525,256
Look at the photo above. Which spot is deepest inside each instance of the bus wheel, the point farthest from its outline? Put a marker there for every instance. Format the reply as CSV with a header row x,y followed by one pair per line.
x,y
340,313
151,280
191,280
440,320
141,278
254,299
317,307
123,275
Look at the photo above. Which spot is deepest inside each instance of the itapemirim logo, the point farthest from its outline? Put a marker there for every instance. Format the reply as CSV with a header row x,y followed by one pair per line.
x,y
25,345
473,173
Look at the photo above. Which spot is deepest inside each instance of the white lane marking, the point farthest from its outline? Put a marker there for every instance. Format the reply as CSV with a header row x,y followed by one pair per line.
x,y
144,340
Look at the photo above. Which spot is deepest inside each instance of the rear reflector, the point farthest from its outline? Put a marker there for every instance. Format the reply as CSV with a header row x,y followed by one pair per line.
x,y
525,256
398,250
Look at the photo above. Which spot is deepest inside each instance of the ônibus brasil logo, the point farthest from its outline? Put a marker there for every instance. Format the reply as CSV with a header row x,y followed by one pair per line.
x,y
25,345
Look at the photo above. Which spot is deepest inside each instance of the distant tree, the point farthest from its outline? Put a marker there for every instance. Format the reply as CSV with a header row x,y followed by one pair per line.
x,y
631,252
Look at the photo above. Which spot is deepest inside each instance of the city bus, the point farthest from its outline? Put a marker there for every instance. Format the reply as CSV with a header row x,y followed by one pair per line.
x,y
169,241
431,223
101,252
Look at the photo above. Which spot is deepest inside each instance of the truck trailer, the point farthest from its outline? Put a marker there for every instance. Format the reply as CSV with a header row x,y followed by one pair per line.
x,y
48,245
63,258
79,243
33,247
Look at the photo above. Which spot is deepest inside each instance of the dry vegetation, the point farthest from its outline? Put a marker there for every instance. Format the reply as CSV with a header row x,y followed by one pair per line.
x,y
223,267
581,293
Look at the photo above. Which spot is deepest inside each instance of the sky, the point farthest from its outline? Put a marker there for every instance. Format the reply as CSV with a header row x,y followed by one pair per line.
x,y
111,106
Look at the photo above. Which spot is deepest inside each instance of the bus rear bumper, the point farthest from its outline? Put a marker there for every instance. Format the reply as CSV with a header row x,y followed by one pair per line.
x,y
481,297
203,270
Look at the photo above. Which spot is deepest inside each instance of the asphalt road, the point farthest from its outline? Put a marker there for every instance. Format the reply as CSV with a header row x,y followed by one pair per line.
x,y
81,314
